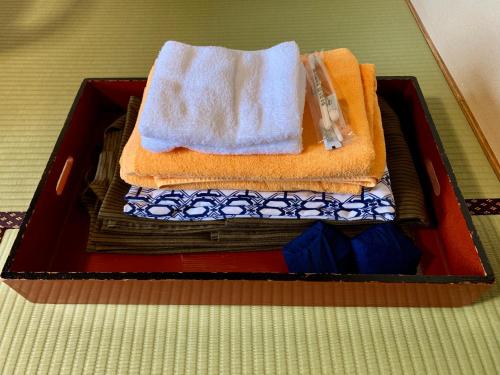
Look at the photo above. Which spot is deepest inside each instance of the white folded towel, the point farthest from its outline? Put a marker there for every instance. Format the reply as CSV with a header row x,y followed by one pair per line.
x,y
222,101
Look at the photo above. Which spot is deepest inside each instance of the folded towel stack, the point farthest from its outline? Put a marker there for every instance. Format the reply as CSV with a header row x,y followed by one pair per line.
x,y
360,163
220,148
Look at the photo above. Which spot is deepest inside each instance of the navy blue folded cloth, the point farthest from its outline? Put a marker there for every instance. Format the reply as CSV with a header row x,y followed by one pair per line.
x,y
320,249
384,249
381,249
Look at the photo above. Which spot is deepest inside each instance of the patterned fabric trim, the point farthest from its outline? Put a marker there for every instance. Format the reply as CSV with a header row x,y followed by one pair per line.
x,y
490,206
11,220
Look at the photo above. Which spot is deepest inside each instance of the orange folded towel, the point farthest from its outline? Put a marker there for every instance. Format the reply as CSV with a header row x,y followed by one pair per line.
x,y
369,79
345,170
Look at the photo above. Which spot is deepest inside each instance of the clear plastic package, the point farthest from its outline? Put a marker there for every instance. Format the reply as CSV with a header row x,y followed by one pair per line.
x,y
331,126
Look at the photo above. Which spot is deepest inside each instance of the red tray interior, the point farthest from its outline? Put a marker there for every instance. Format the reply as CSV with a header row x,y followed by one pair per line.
x,y
56,234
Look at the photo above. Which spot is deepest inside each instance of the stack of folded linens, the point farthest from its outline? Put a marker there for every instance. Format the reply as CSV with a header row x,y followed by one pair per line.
x,y
360,163
220,155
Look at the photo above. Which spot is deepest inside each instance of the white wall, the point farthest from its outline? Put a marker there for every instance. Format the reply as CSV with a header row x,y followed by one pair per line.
x,y
467,35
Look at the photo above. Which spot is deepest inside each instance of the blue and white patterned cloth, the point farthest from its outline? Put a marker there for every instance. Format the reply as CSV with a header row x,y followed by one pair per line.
x,y
375,204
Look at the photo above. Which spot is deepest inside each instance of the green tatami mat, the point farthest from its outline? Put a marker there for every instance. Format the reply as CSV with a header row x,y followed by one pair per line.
x,y
48,47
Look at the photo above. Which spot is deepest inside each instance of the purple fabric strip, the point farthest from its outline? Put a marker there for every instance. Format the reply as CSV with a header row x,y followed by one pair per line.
x,y
11,220
489,206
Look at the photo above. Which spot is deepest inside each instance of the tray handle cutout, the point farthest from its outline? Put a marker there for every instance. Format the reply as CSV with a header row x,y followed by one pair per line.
x,y
63,177
436,187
